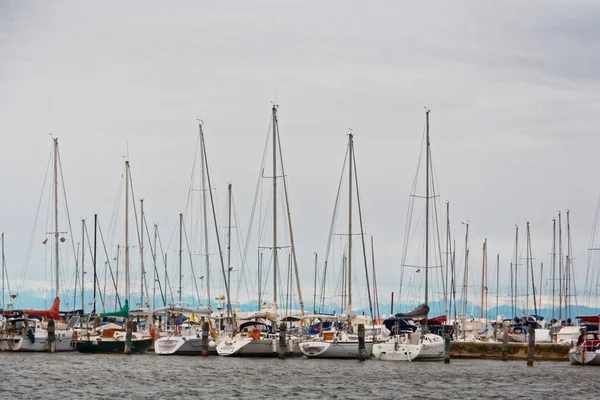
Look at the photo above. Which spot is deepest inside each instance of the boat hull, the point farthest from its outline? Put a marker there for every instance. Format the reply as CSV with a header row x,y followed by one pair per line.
x,y
112,346
182,346
64,339
432,348
248,347
333,349
391,351
577,357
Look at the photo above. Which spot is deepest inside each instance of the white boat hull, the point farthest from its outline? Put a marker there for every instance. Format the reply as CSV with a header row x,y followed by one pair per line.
x,y
333,349
64,339
579,357
181,346
391,351
432,348
248,347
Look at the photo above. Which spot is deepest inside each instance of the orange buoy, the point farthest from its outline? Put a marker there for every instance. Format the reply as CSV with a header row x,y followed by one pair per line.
x,y
255,334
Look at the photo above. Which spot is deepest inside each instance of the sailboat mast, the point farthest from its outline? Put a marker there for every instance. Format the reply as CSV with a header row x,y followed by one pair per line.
x,y
143,272
94,262
560,267
229,247
56,216
82,263
427,211
350,163
527,262
553,265
181,252
155,273
205,227
274,204
127,231
515,275
3,267
483,266
315,288
497,281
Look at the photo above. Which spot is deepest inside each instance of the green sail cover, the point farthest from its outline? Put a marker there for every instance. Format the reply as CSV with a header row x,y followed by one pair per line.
x,y
123,312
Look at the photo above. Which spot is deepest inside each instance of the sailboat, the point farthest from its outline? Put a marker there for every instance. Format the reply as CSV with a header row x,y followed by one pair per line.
x,y
341,339
431,345
259,334
41,330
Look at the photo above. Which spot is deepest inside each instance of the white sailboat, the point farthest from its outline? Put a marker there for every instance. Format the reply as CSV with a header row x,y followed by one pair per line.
x,y
341,340
24,331
259,335
186,340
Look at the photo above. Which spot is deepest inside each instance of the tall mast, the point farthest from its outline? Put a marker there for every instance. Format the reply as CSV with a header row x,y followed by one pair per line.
x,y
568,267
94,262
205,227
553,264
350,163
127,230
466,272
155,273
516,269
560,267
142,253
275,205
315,289
117,275
483,267
181,252
446,281
497,280
527,262
3,267
56,215
229,247
427,212
82,263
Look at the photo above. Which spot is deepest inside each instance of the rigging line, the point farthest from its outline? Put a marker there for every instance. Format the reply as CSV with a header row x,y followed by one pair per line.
x,y
331,228
167,284
30,246
243,267
191,265
409,213
256,193
152,251
191,187
139,237
291,233
66,204
217,230
112,227
108,262
362,235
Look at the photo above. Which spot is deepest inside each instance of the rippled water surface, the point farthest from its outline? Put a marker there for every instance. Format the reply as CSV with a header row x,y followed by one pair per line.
x,y
90,376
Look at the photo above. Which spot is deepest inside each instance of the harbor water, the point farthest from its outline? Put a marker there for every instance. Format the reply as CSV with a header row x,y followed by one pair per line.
x,y
149,376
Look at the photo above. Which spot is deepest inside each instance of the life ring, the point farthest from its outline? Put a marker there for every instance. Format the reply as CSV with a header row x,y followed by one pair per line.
x,y
74,335
255,334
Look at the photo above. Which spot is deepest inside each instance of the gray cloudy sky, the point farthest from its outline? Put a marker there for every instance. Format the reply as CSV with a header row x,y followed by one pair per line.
x,y
514,89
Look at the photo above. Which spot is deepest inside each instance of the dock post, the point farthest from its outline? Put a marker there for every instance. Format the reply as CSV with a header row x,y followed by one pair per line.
x,y
504,350
362,352
128,334
205,332
531,344
282,341
447,334
51,336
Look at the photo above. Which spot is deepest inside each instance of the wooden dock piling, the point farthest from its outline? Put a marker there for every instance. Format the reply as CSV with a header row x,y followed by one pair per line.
x,y
362,352
51,336
447,334
128,335
281,350
504,350
531,344
205,332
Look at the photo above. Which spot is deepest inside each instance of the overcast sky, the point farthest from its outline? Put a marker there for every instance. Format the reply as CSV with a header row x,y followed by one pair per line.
x,y
513,88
